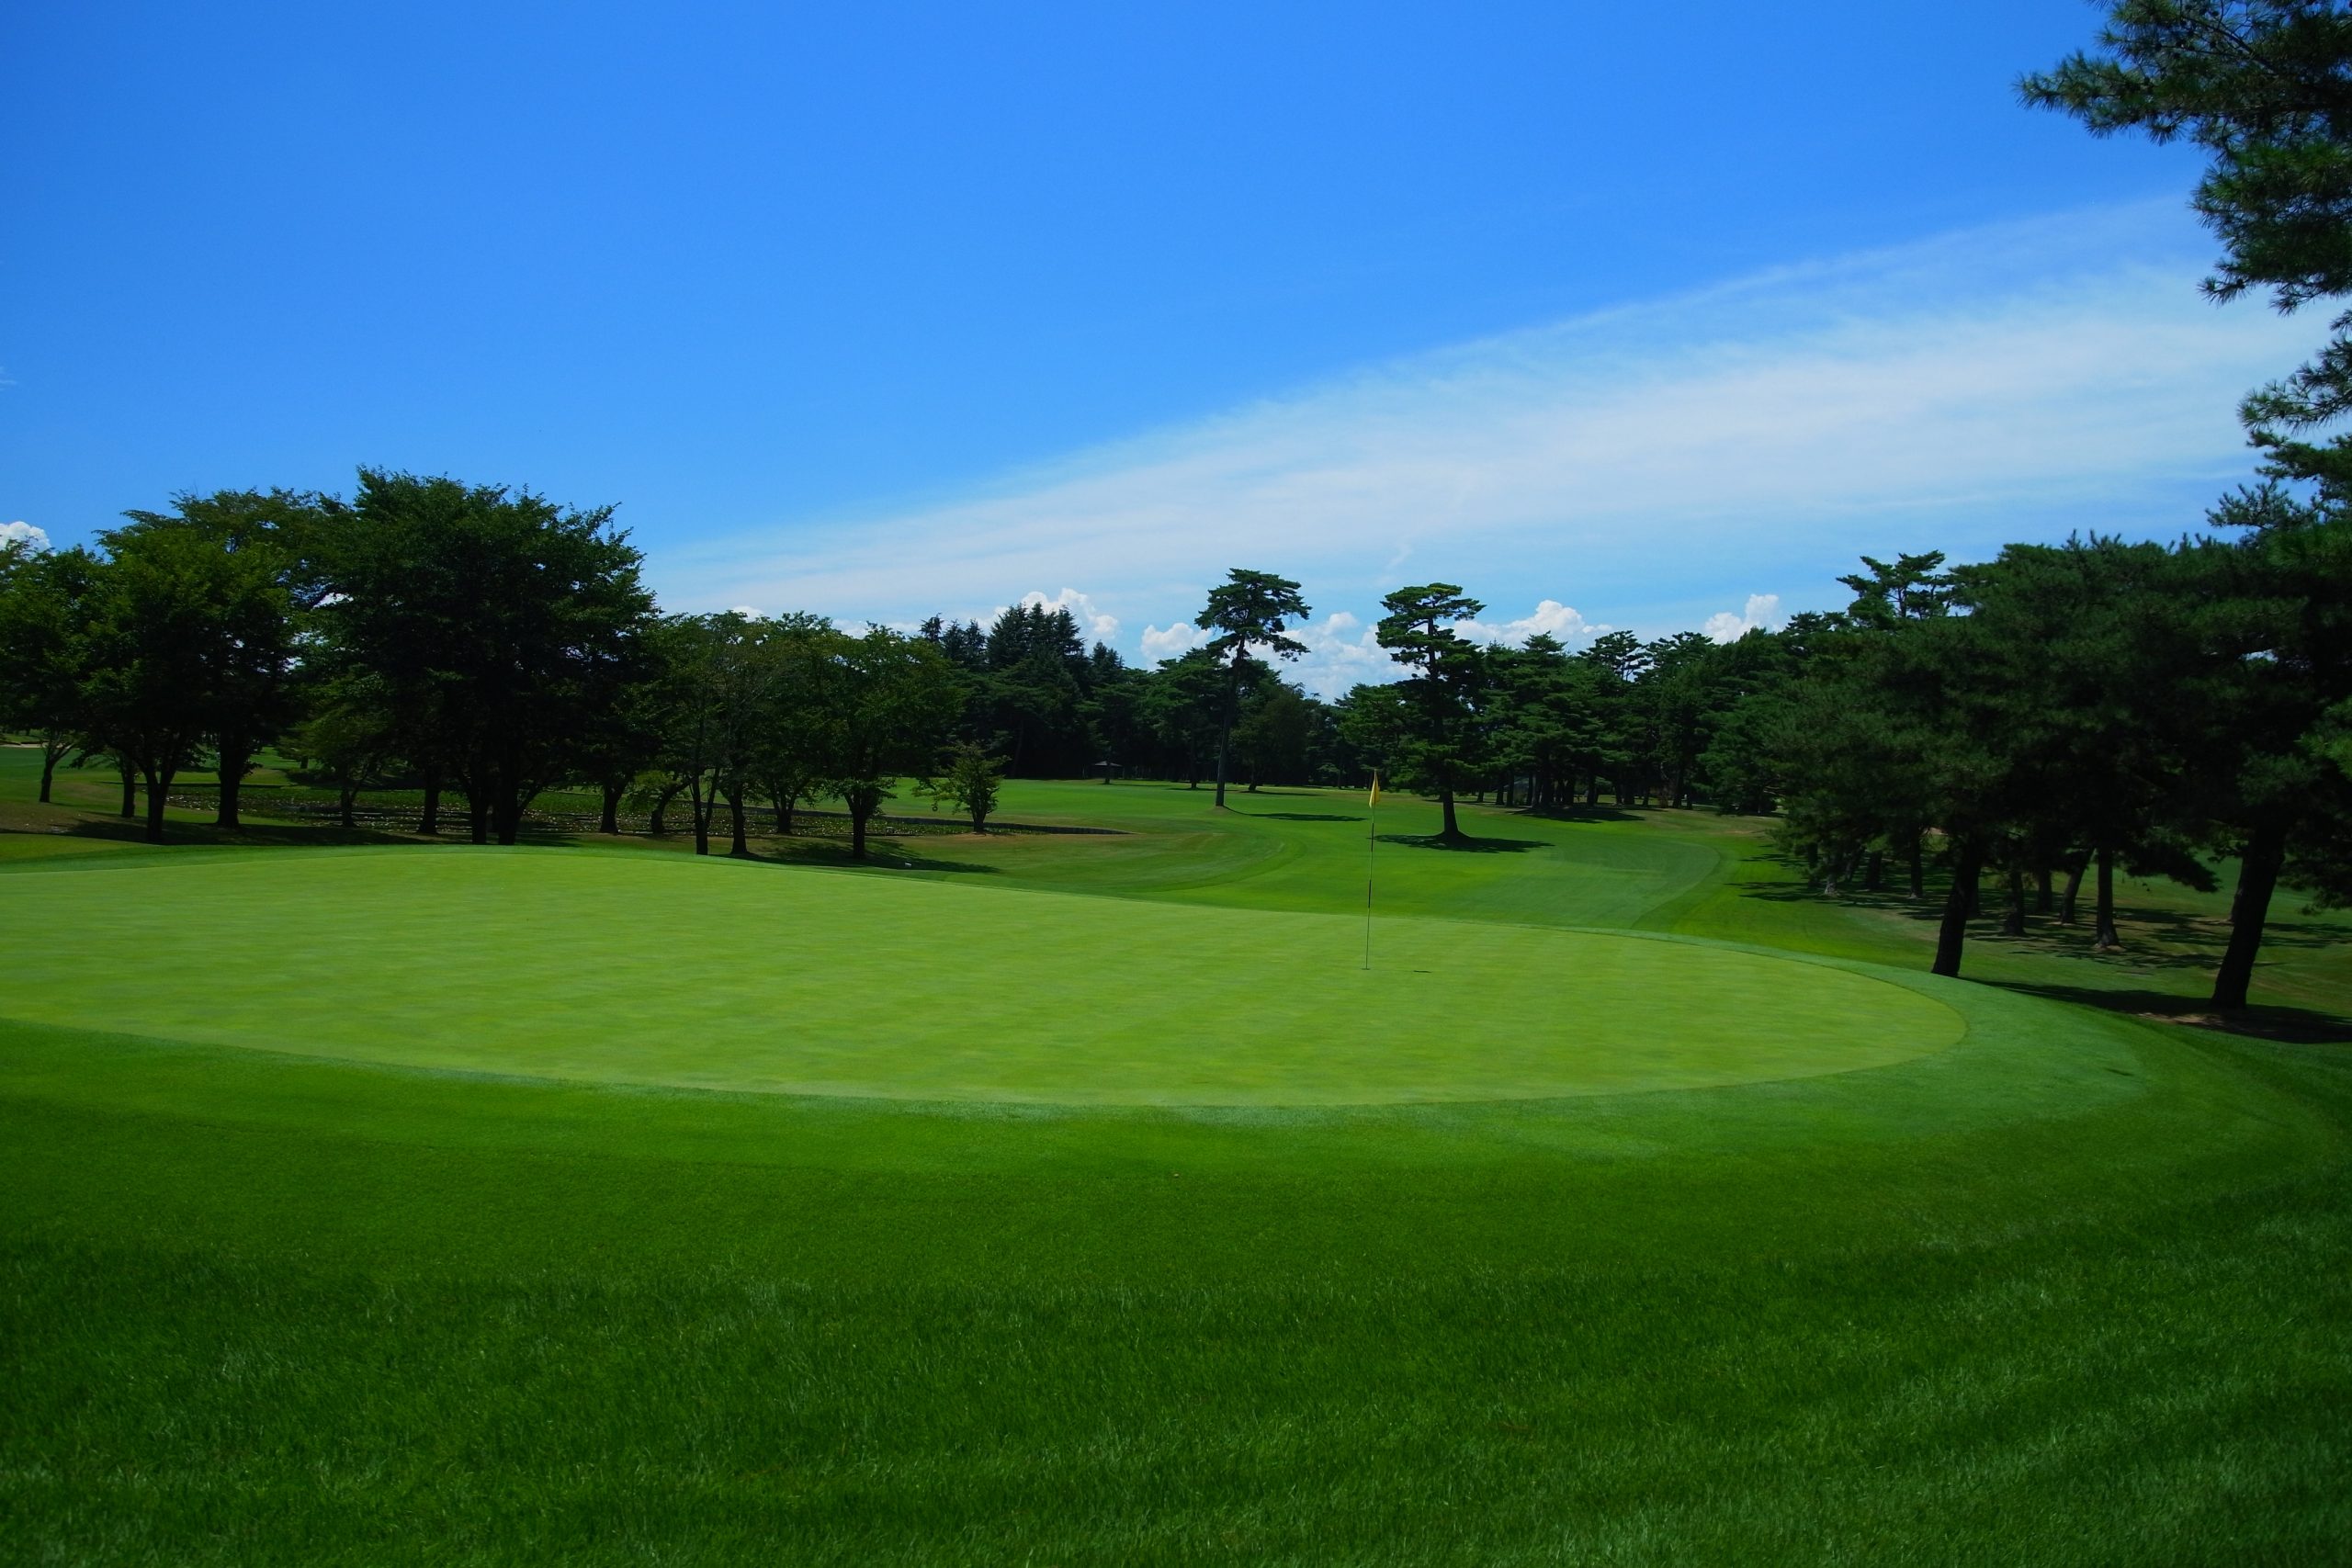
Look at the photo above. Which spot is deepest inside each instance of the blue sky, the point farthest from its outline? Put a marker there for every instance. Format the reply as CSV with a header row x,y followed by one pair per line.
x,y
1639,315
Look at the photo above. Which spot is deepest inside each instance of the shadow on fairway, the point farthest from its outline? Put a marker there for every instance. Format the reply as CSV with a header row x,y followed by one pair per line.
x,y
1463,845
882,854
2291,1026
1595,813
257,834
1301,815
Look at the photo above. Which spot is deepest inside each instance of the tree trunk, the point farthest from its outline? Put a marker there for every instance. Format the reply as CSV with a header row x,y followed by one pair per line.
x,y
2103,937
784,804
1967,863
1874,871
701,806
159,784
1452,829
1919,867
478,813
2265,851
1225,725
235,758
738,845
857,814
2013,918
2066,900
49,755
659,827
342,806
130,787
506,821
429,823
611,820
2043,897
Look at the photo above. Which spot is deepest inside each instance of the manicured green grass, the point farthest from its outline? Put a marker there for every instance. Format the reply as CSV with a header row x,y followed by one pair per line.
x,y
457,959
1120,1283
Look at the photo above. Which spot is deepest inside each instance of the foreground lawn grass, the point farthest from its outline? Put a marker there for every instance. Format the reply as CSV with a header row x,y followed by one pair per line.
x,y
2071,1288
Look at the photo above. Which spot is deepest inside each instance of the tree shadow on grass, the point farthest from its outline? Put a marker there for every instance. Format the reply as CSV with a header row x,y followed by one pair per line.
x,y
1462,844
253,835
2292,1026
1301,815
1597,812
881,855
907,859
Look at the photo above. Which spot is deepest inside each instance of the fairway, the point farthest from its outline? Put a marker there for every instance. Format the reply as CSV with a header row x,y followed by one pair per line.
x,y
655,970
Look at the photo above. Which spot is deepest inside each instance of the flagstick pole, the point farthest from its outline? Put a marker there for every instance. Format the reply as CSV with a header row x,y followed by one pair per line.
x,y
1371,853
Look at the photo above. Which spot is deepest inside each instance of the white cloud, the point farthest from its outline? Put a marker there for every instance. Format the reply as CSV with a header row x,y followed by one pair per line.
x,y
24,534
745,611
1182,638
1763,610
1341,651
1099,626
1550,619
2010,383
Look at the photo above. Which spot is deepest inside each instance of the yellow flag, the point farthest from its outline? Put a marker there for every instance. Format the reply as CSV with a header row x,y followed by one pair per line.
x,y
1375,789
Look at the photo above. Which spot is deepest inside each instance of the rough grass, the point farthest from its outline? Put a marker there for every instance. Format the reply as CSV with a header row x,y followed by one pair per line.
x,y
2073,1290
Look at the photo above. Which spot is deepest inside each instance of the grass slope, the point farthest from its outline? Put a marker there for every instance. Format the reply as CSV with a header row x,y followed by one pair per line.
x,y
2073,1289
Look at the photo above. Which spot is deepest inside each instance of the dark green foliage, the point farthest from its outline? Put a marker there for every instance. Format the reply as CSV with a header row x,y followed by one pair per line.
x,y
715,710
46,603
1441,743
1249,612
2264,87
970,781
498,624
786,761
884,706
1182,708
350,740
1556,720
1280,735
274,536
187,641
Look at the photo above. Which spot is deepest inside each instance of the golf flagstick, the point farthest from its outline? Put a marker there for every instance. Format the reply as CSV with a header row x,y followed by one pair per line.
x,y
1371,852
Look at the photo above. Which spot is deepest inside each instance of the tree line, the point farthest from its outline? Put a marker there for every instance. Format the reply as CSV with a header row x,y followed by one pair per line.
x,y
480,645
2050,716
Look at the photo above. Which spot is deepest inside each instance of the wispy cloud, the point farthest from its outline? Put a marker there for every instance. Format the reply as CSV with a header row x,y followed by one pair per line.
x,y
2017,382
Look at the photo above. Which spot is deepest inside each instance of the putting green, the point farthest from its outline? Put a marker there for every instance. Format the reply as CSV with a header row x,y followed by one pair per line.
x,y
658,970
